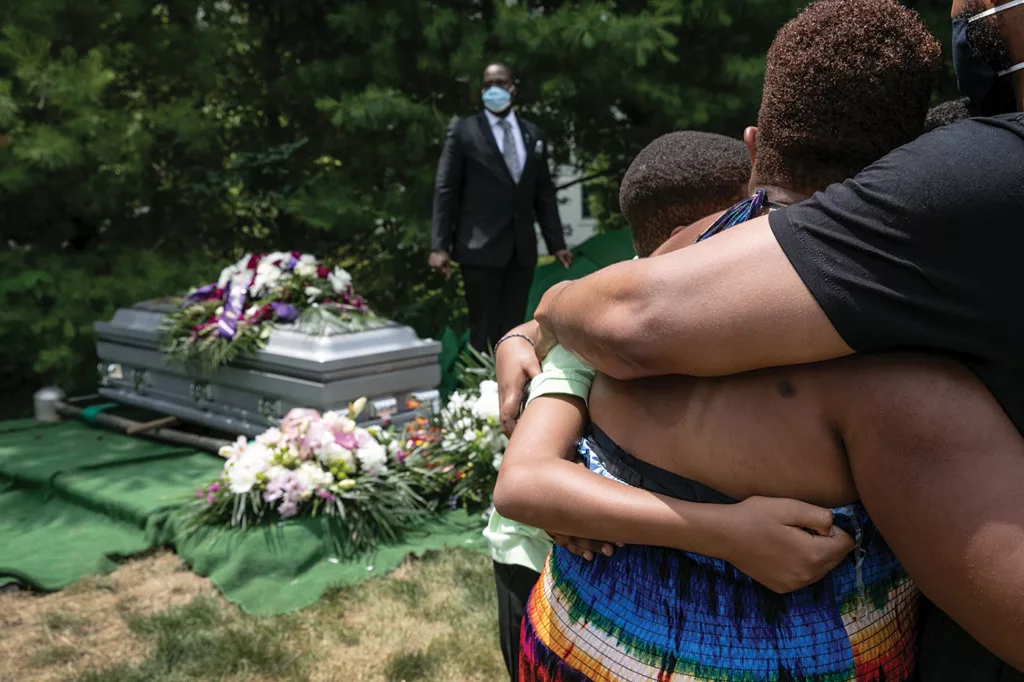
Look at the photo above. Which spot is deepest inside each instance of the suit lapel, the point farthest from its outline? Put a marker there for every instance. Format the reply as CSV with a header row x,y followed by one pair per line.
x,y
492,144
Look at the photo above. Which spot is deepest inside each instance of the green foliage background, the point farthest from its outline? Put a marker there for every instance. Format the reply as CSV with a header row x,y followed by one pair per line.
x,y
148,144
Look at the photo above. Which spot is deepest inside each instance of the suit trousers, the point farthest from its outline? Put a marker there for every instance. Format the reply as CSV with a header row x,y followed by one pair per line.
x,y
514,584
497,299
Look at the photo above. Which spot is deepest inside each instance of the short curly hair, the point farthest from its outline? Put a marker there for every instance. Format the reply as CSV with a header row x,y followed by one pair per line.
x,y
947,113
847,81
678,179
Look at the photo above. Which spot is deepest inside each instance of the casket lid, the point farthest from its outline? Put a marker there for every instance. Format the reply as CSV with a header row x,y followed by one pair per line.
x,y
287,351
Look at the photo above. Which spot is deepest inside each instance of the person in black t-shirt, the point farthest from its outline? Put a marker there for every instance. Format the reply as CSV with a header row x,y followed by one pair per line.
x,y
918,251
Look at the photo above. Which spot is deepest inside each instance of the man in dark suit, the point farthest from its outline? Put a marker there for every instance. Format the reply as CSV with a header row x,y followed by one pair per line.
x,y
492,182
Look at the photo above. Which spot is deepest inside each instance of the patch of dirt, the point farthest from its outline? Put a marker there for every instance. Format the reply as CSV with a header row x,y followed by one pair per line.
x,y
56,636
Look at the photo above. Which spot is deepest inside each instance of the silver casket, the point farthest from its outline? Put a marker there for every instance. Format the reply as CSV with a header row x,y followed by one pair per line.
x,y
388,364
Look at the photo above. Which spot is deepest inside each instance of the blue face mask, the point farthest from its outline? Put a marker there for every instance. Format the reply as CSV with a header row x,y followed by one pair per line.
x,y
497,100
975,77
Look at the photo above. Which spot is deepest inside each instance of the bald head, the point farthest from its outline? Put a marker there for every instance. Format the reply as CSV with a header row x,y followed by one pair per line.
x,y
499,75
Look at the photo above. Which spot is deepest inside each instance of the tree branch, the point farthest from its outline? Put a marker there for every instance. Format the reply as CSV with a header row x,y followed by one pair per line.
x,y
588,178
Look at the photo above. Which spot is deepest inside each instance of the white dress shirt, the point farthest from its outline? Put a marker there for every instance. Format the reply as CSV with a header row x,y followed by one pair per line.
x,y
499,135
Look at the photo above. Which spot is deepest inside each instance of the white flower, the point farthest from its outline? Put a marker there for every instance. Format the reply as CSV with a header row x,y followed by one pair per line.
x,y
275,471
487,406
339,279
242,469
258,456
456,401
313,477
497,461
373,457
305,269
338,422
230,271
231,452
267,274
335,453
241,478
272,437
469,436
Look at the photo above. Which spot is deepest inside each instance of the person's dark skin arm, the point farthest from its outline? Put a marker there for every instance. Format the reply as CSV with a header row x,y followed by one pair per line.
x,y
723,306
940,469
765,538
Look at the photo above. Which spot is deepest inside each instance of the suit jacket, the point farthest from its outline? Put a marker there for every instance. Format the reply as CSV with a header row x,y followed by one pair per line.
x,y
481,216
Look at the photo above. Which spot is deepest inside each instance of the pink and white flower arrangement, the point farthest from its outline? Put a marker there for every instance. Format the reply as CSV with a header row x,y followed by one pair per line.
x,y
314,465
237,312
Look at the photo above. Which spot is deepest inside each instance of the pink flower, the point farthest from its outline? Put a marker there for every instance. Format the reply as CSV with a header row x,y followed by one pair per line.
x,y
322,272
325,495
297,421
346,440
316,438
400,455
214,487
200,494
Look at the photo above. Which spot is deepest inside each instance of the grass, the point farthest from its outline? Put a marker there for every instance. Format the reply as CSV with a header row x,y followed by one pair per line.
x,y
64,623
53,655
433,620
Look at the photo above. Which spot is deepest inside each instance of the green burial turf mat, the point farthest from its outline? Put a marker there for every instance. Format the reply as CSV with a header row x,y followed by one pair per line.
x,y
76,499
36,456
286,567
49,543
135,491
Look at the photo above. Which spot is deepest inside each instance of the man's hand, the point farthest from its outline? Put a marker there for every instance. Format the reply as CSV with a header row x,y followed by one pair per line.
x,y
440,261
584,548
785,544
564,257
516,363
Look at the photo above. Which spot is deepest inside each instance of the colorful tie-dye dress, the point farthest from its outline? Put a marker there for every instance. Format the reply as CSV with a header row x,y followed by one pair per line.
x,y
650,613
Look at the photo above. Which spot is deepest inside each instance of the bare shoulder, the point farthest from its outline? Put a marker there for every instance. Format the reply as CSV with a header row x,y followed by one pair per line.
x,y
920,396
913,375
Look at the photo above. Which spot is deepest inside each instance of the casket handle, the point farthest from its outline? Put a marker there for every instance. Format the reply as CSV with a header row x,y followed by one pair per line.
x,y
201,392
270,408
139,378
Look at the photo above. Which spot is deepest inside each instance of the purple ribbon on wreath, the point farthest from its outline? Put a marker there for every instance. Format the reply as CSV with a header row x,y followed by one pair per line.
x,y
201,294
234,304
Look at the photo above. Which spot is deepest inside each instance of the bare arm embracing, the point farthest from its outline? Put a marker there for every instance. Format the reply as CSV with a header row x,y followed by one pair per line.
x,y
726,305
940,468
765,538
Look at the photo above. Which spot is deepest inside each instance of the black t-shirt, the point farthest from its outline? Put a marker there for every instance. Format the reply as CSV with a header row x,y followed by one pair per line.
x,y
924,250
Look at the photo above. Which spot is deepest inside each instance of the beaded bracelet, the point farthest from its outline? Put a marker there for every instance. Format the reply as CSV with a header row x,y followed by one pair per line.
x,y
514,336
